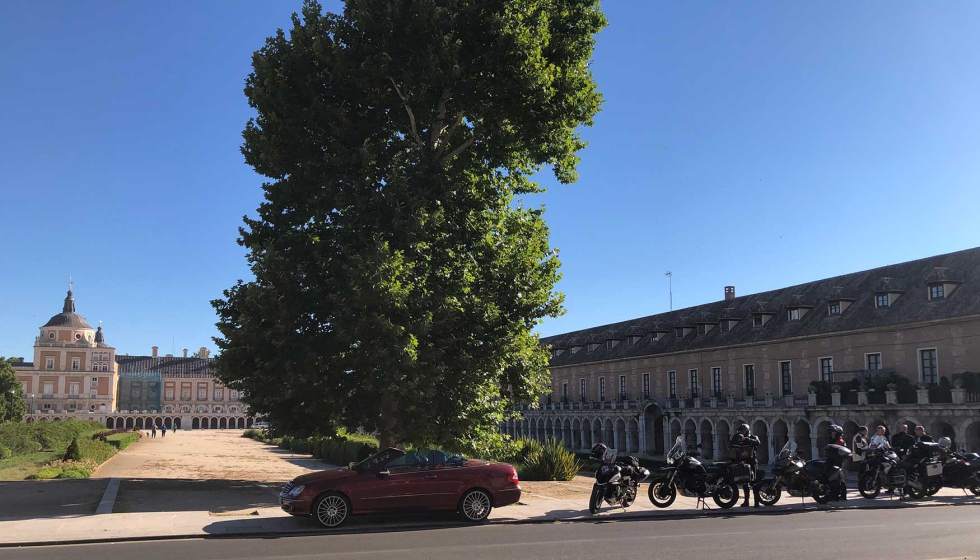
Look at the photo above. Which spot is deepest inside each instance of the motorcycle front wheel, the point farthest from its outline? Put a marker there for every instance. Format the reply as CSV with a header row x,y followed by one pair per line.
x,y
822,493
769,492
726,495
595,500
629,497
914,494
662,494
935,485
868,485
974,484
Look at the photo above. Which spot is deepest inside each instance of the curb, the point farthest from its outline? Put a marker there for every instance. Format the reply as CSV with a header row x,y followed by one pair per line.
x,y
667,516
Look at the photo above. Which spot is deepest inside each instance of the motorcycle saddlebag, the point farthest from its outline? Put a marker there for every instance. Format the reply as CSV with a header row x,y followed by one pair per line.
x,y
741,472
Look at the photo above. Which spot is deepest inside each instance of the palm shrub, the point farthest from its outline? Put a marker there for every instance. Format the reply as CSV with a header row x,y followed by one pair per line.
x,y
550,461
521,448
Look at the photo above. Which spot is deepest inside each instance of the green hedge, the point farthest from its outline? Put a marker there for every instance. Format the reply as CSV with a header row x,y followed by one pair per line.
x,y
298,445
122,441
285,442
342,448
23,438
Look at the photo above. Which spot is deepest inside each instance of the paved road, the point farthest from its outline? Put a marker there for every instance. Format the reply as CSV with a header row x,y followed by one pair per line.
x,y
945,532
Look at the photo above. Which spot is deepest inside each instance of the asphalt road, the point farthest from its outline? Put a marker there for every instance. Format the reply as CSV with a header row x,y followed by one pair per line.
x,y
924,533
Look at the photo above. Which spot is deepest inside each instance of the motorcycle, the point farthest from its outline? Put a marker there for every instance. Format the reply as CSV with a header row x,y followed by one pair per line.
x,y
616,482
924,470
960,470
687,475
881,468
819,479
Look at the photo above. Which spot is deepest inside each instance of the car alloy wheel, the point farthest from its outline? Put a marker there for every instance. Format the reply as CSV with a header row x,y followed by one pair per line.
x,y
476,505
331,510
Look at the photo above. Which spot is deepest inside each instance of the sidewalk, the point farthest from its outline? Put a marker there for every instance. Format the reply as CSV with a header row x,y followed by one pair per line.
x,y
272,521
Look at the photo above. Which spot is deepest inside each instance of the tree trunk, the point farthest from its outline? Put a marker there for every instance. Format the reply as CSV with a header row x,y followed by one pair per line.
x,y
386,438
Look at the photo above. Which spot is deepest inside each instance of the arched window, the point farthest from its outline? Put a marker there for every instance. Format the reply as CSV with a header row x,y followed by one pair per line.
x,y
95,367
105,367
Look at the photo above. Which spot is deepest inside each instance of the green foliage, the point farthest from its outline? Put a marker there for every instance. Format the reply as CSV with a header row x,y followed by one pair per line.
x,y
73,453
519,450
298,445
398,281
5,452
252,434
941,392
12,404
286,442
74,472
549,461
47,473
344,448
122,441
95,450
316,446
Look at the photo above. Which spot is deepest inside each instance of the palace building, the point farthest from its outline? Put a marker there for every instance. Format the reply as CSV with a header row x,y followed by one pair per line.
x,y
76,374
893,345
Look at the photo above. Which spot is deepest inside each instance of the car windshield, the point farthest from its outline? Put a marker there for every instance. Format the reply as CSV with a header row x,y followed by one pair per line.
x,y
374,461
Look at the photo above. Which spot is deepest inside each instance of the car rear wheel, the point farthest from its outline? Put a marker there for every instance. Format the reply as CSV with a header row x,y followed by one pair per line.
x,y
475,505
331,510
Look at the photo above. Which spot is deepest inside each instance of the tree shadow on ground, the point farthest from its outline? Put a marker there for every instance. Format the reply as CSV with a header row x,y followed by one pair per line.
x,y
142,495
50,498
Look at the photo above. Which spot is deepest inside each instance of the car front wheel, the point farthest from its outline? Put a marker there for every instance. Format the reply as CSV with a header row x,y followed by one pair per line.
x,y
331,510
475,505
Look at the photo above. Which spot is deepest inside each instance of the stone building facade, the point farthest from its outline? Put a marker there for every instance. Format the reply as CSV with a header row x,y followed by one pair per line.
x,y
76,374
699,372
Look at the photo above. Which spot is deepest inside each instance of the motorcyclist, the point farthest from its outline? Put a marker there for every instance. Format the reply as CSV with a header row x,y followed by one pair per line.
x,y
921,435
837,438
598,453
903,441
747,450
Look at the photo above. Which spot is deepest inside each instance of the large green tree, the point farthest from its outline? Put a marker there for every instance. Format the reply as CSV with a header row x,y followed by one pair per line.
x,y
12,404
398,279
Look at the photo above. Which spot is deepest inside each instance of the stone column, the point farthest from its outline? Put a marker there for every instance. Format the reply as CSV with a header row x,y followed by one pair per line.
x,y
629,440
923,396
891,397
862,398
668,437
616,437
772,448
717,444
811,399
959,396
642,433
835,399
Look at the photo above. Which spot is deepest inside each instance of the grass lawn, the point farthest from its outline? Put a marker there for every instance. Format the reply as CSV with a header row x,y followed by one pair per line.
x,y
20,467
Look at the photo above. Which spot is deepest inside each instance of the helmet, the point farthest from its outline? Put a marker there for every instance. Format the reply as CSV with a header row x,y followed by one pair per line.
x,y
598,452
945,443
836,431
742,429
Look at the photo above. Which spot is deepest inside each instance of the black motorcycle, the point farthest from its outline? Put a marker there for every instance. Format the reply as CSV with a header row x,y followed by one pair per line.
x,y
923,469
687,475
616,482
960,470
881,468
820,479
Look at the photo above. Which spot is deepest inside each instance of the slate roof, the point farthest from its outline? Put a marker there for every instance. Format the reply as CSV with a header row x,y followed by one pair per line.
x,y
176,367
909,279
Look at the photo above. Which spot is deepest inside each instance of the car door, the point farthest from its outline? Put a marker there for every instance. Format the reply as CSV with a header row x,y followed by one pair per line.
x,y
445,479
399,485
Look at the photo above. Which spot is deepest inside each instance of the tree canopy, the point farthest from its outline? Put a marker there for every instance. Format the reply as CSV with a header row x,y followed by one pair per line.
x,y
12,404
398,279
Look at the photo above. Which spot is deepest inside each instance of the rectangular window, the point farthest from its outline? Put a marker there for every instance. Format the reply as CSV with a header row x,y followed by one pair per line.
x,y
716,382
185,394
724,326
936,292
49,363
581,388
695,389
749,380
564,391
874,361
827,370
646,385
48,388
95,367
233,394
929,365
602,389
834,308
794,314
672,383
219,395
95,380
75,364
679,332
73,389
105,367
622,387
93,394
136,391
786,377
168,394
757,320
202,394
881,300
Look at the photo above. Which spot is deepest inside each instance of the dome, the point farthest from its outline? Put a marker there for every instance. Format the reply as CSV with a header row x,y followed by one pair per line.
x,y
68,317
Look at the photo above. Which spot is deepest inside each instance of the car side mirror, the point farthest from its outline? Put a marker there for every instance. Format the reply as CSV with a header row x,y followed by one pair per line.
x,y
384,473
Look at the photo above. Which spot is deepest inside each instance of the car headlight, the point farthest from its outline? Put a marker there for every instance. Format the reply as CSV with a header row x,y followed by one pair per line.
x,y
296,491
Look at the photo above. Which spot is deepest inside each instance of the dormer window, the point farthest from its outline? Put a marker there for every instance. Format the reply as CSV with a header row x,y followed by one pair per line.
x,y
559,352
593,346
881,300
679,332
794,314
725,326
612,343
833,308
575,349
937,292
758,320
634,339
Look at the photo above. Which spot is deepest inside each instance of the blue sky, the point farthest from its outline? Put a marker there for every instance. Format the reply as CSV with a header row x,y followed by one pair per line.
x,y
740,143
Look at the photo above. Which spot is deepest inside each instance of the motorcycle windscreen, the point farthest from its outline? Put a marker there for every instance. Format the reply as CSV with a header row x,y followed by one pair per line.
x,y
677,451
610,455
787,450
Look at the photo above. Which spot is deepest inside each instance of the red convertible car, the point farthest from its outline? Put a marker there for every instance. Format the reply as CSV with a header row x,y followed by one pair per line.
x,y
396,480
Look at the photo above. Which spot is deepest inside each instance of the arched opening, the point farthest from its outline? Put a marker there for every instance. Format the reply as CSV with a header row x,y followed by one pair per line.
x,y
822,436
540,435
577,434
567,434
761,431
690,433
214,423
110,423
56,419
622,445
910,422
724,436
676,431
653,430
195,423
139,423
223,424
850,430
241,423
129,423
549,429
248,422
633,435
608,435
597,432
972,435
707,440
158,421
780,435
176,423
801,435
169,423
940,429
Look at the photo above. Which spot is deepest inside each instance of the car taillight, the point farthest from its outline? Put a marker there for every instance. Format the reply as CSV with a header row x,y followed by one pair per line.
x,y
513,476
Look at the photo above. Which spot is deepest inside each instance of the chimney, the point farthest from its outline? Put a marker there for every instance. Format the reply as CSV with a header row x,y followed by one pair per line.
x,y
729,293
204,352
155,350
185,352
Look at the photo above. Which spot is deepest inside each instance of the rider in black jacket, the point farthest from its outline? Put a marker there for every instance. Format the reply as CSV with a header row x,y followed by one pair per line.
x,y
747,448
903,441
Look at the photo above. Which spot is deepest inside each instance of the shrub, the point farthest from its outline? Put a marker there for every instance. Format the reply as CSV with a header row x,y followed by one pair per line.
x,y
298,445
77,471
285,442
550,461
122,441
5,453
252,434
73,453
521,448
47,473
316,446
95,450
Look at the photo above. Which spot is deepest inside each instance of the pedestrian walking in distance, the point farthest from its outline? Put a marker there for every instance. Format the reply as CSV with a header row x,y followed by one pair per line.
x,y
153,431
163,430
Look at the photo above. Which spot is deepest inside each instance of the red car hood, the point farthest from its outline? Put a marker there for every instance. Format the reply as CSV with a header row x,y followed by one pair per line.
x,y
331,474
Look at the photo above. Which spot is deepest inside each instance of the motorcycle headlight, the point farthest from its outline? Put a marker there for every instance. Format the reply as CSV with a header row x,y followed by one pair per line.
x,y
296,491
670,460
